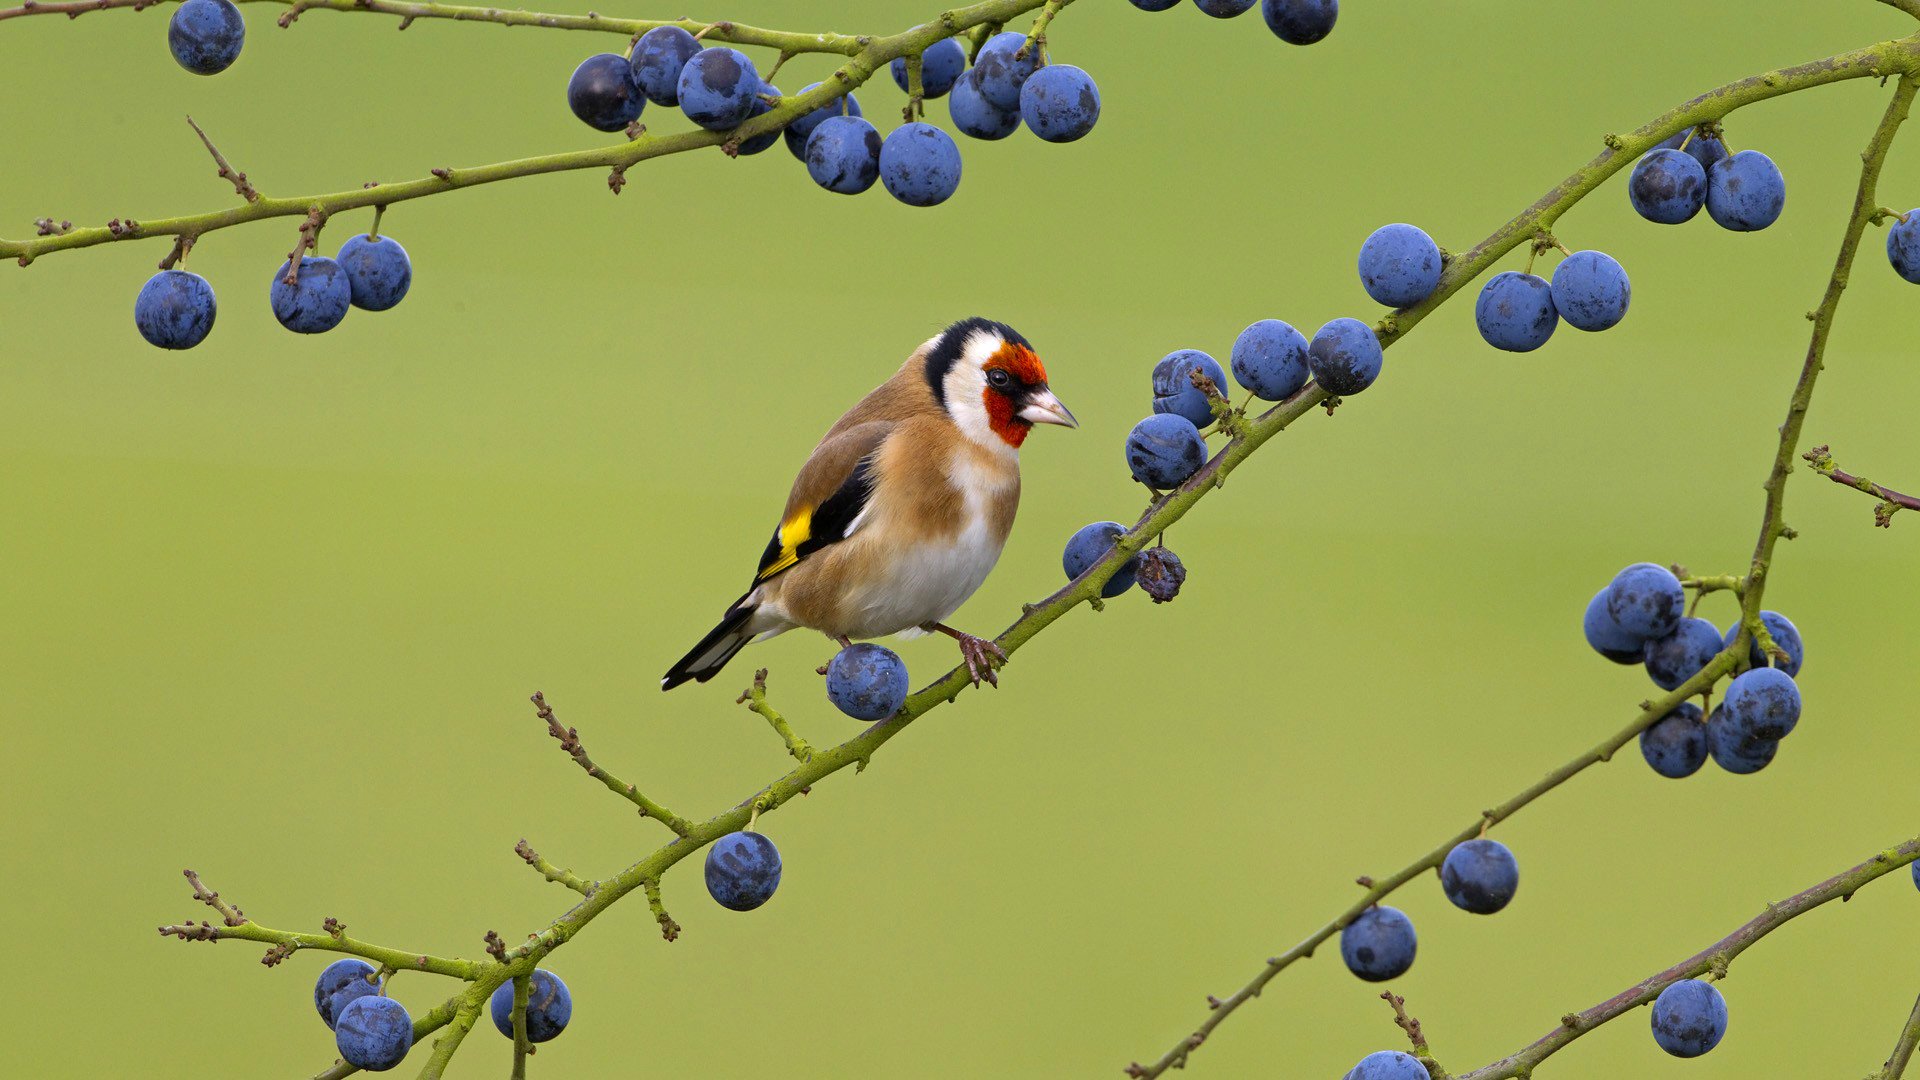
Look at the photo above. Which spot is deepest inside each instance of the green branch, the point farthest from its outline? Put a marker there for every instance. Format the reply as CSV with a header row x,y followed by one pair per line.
x,y
1902,1050
570,742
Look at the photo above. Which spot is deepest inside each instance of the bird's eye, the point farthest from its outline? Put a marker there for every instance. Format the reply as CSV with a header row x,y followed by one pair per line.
x,y
999,379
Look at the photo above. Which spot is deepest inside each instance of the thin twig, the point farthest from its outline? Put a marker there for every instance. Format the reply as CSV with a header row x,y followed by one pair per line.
x,y
570,742
1902,1050
549,871
1820,459
241,186
755,698
521,1046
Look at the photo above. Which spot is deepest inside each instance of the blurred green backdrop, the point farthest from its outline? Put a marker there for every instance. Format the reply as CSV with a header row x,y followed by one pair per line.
x,y
273,607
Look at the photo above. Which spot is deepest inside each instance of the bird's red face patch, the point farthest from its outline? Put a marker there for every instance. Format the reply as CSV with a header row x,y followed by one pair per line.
x,y
1009,374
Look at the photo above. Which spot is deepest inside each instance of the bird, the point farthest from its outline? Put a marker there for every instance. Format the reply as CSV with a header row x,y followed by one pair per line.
x,y
902,509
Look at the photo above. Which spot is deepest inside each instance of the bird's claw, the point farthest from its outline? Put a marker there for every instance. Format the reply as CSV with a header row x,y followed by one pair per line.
x,y
982,656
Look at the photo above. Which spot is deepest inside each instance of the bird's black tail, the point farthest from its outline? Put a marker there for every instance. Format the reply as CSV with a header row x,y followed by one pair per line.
x,y
705,660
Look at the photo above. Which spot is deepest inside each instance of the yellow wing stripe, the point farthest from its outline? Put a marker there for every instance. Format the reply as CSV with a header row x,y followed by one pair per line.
x,y
794,531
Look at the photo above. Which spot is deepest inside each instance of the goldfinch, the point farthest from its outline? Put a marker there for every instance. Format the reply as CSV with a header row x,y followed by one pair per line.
x,y
901,511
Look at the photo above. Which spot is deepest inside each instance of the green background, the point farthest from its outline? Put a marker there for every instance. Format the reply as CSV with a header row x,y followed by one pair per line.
x,y
273,606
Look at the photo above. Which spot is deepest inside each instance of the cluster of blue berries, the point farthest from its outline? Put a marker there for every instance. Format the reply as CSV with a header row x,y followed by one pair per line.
x,y
1296,22
718,88
373,1031
1638,619
1478,876
175,308
1743,192
1518,310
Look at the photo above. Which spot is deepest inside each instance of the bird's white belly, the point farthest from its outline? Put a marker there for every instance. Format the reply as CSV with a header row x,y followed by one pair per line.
x,y
925,582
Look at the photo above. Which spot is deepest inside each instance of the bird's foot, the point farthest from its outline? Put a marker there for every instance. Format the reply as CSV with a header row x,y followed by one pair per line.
x,y
982,656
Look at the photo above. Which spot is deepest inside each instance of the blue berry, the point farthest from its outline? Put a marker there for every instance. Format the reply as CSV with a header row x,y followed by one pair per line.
x,y
1164,450
1667,187
659,57
1679,655
975,116
919,164
750,147
174,310
1705,149
843,155
549,1006
373,1033
1399,265
940,68
1300,22
1646,600
602,93
1784,634
999,69
1903,247
1732,750
1689,1018
1154,5
1607,637
1763,704
318,300
1676,744
1379,944
1515,312
1173,389
1224,9
1388,1065
1590,291
717,88
743,870
343,981
798,131
205,35
378,271
1480,876
867,682
1345,356
1269,359
1089,546
1746,192
1060,103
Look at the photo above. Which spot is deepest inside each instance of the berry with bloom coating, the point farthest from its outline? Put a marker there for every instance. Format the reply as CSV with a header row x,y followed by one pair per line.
x,y
1689,1018
549,1006
602,93
1269,359
205,35
1300,22
174,310
743,870
341,983
1676,745
843,155
1399,265
659,58
940,68
1173,389
867,681
1763,704
1515,312
1378,944
718,88
1060,103
317,301
1746,192
1164,450
1667,187
1089,546
919,164
373,1033
378,271
1345,356
1590,291
1480,876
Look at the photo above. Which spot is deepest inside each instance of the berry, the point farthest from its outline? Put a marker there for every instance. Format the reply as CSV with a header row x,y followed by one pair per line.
x,y
1345,356
1784,634
1676,744
1733,751
1515,312
205,35
1689,1018
1746,192
1646,600
1060,103
975,116
1704,149
1378,945
1300,22
1388,1065
1480,876
1089,546
1590,291
549,1006
1678,656
919,164
1903,247
373,1033
342,982
717,88
1161,574
743,869
843,155
1399,265
940,68
1269,359
1154,5
174,310
798,131
1223,9
999,69
1164,450
317,301
602,93
378,271
1667,187
1763,704
1607,637
867,682
750,147
1173,389
659,57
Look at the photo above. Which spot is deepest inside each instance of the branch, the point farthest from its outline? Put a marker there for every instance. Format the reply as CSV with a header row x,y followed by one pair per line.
x,y
238,179
1820,459
285,943
1711,960
549,871
424,1026
520,1044
570,742
755,698
1911,7
866,55
1902,1050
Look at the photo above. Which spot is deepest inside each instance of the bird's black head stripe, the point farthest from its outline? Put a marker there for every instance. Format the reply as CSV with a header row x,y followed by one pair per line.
x,y
953,340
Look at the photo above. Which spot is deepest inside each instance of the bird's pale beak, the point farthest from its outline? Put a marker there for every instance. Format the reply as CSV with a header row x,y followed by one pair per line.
x,y
1043,408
